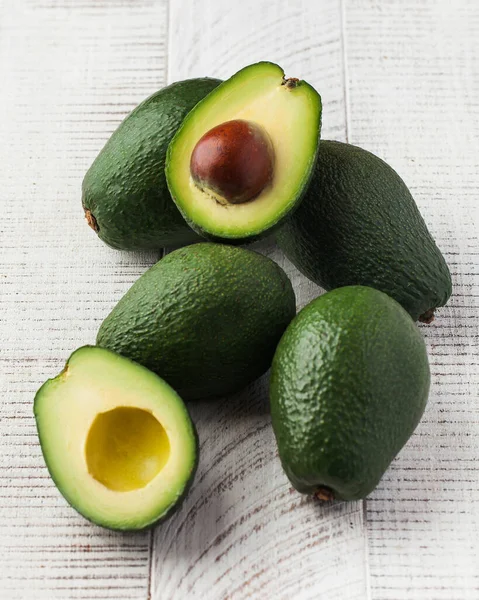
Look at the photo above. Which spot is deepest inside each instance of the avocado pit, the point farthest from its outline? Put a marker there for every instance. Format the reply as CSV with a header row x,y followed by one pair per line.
x,y
234,161
126,448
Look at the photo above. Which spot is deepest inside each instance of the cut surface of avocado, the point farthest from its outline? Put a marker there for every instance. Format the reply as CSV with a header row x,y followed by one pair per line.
x,y
117,440
257,134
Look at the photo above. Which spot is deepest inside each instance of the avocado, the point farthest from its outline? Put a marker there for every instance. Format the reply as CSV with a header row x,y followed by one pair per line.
x,y
117,440
125,196
243,157
359,225
349,384
206,318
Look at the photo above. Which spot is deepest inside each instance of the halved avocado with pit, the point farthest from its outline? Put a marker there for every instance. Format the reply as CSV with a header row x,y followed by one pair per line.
x,y
244,156
117,440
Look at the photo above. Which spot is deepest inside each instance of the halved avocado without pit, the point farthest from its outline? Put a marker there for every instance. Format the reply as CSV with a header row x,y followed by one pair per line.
x,y
117,440
243,157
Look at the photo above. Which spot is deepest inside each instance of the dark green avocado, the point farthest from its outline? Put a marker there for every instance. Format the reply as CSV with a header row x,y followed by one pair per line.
x,y
206,318
125,195
117,440
359,225
349,384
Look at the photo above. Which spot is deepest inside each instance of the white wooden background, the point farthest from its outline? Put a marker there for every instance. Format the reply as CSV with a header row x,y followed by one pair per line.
x,y
398,77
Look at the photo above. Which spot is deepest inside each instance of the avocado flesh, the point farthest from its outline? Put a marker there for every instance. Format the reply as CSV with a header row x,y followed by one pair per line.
x,y
124,193
117,440
359,225
289,111
349,384
207,318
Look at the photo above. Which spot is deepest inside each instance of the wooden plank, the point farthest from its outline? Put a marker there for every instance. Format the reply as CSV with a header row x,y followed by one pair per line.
x,y
413,88
243,531
70,71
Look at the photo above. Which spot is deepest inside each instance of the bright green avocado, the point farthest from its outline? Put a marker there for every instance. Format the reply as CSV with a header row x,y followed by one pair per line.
x,y
263,133
125,196
359,225
117,440
206,318
349,384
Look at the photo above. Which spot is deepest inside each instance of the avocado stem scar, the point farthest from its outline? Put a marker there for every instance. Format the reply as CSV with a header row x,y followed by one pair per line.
x,y
427,317
290,83
324,494
91,220
65,373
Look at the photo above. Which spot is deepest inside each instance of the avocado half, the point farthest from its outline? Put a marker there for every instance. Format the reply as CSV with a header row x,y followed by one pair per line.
x,y
244,155
117,440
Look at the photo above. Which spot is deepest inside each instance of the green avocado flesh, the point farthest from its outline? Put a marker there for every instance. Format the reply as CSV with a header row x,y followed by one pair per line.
x,y
288,111
125,196
349,384
359,225
117,440
206,318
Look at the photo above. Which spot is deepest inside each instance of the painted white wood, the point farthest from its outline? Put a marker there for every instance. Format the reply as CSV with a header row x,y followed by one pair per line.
x,y
405,87
70,71
413,83
243,532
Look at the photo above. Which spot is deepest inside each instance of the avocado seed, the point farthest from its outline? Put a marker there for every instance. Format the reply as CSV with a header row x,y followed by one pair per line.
x,y
234,161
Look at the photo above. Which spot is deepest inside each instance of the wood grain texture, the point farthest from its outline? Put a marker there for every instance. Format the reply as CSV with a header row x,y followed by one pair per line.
x,y
397,77
413,83
243,532
70,72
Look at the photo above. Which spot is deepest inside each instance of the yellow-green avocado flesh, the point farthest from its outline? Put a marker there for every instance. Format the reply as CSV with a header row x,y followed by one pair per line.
x,y
289,112
117,439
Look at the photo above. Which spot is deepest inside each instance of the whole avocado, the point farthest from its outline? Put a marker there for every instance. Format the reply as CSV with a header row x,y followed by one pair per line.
x,y
206,318
359,225
124,193
349,384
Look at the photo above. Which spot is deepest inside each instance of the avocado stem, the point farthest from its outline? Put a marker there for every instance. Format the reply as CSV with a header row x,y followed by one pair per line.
x,y
291,83
91,220
427,317
324,494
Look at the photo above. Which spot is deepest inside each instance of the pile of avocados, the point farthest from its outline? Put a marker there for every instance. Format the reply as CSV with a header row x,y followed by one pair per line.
x,y
206,166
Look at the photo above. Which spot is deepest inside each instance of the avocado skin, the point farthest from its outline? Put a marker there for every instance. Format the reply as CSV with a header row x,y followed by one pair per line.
x,y
207,318
349,384
125,189
359,225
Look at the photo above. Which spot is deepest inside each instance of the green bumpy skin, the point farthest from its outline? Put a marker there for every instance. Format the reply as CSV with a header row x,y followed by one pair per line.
x,y
207,318
124,193
349,384
359,225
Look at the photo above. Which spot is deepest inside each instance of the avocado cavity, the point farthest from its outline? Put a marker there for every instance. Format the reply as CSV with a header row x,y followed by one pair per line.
x,y
126,448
